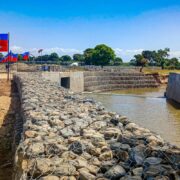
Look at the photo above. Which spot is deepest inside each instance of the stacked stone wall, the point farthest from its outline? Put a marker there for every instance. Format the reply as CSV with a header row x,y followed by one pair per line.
x,y
107,81
68,137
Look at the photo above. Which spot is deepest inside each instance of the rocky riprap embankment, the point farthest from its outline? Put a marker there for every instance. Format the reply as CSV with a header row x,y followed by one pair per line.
x,y
68,137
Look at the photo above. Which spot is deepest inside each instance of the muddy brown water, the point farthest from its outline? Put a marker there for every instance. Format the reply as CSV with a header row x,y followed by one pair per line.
x,y
147,108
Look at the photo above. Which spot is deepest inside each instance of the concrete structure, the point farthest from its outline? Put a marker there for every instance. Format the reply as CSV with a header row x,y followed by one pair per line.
x,y
173,88
100,81
70,80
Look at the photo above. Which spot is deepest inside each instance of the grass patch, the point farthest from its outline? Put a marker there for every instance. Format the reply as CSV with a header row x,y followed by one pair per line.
x,y
160,71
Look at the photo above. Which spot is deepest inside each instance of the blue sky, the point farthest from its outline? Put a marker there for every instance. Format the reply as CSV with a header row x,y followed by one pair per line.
x,y
70,26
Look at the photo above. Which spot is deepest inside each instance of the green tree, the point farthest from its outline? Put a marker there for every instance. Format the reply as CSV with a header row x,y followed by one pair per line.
x,y
117,61
43,59
133,62
150,55
161,57
88,56
78,57
66,58
140,61
173,63
46,58
53,57
102,55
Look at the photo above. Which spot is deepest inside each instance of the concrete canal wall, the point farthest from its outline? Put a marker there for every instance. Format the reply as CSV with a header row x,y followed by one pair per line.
x,y
70,80
173,88
68,137
100,80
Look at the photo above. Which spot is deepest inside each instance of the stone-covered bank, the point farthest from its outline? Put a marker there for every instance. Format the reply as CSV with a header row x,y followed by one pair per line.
x,y
67,137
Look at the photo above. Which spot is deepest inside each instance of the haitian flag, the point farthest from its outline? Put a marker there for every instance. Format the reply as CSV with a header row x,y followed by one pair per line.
x,y
25,56
5,59
4,42
9,58
13,57
1,60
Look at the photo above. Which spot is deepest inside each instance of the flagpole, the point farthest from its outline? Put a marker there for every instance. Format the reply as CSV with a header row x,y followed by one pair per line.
x,y
8,75
41,58
17,64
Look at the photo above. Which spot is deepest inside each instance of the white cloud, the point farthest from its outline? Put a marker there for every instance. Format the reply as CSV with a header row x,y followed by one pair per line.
x,y
133,51
34,51
17,49
129,53
61,50
118,50
126,54
175,54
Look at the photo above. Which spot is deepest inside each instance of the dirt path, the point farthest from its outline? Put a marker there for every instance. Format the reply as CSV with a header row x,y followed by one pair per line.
x,y
9,105
4,76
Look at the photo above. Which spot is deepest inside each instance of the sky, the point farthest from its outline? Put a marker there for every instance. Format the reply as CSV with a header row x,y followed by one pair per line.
x,y
71,26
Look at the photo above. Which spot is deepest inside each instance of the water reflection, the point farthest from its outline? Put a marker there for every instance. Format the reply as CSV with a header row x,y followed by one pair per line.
x,y
146,107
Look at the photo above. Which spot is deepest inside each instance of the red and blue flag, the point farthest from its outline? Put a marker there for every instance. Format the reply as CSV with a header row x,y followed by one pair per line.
x,y
25,56
13,57
5,59
4,42
10,57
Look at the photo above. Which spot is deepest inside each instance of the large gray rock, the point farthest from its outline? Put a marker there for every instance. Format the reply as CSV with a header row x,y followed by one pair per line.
x,y
152,160
138,171
118,145
77,147
128,177
80,162
36,148
105,156
153,171
137,154
67,132
65,170
49,178
121,155
85,175
112,133
115,172
40,166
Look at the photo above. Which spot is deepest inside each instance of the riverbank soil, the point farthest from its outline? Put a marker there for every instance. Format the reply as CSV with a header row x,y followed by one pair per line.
x,y
159,71
4,76
9,106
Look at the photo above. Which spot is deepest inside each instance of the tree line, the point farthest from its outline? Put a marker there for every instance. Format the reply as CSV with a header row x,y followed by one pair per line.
x,y
103,55
156,58
100,55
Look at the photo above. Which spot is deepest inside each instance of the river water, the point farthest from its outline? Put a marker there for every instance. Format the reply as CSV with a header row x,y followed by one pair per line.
x,y
147,108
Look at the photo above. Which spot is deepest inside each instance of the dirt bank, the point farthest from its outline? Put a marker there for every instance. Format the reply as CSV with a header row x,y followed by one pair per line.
x,y
9,106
